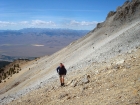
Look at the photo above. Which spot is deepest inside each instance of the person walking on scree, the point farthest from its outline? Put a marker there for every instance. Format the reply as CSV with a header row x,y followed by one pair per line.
x,y
62,72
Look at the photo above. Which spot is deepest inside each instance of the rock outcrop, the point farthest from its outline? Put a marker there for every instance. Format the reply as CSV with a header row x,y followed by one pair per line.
x,y
124,14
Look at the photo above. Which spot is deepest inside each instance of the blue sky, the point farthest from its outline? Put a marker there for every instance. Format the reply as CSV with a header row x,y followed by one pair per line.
x,y
73,14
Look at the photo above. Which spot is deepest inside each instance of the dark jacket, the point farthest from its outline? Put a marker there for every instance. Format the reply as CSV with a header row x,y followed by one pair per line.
x,y
61,70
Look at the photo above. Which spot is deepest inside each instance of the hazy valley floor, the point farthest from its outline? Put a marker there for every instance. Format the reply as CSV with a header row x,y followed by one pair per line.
x,y
116,82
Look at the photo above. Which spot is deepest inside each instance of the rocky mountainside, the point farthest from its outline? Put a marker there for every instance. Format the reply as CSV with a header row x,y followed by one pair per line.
x,y
103,67
110,83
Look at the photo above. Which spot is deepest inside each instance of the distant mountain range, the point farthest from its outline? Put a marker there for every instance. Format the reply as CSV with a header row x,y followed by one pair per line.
x,y
5,58
46,31
35,42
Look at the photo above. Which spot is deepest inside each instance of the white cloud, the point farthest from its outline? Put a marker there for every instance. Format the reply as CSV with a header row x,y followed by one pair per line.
x,y
37,24
27,24
82,23
5,23
42,23
24,22
73,24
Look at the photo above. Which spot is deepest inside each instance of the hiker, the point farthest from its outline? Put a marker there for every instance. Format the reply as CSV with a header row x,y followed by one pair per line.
x,y
62,72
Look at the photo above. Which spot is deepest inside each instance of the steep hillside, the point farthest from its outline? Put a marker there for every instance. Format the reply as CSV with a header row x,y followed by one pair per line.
x,y
101,52
11,68
113,83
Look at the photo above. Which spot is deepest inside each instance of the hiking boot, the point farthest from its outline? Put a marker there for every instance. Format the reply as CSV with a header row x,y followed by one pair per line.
x,y
62,84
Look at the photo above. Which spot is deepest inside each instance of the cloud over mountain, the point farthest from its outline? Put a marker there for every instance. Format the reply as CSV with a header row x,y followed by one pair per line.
x,y
6,23
71,24
42,23
82,23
